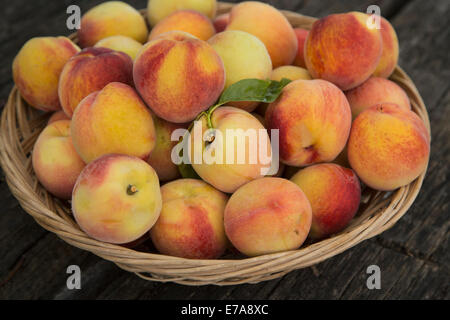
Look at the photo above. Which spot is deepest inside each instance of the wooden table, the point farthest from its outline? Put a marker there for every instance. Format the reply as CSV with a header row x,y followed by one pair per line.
x,y
413,256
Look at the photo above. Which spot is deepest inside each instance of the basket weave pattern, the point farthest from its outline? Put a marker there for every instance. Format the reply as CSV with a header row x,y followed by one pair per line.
x,y
20,126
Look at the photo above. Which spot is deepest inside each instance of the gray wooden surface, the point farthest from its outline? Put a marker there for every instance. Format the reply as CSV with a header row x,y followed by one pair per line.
x,y
413,255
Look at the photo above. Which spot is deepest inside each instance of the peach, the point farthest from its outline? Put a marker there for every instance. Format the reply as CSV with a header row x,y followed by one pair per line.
x,y
374,91
244,56
121,43
243,154
36,69
267,215
157,10
58,115
301,35
189,21
90,70
178,78
291,73
221,21
117,198
111,18
55,161
389,56
334,193
346,60
160,157
270,26
314,120
191,221
388,146
113,120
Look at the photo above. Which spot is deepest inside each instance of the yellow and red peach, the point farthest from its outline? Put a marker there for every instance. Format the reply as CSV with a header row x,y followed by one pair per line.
x,y
301,35
90,70
375,91
117,198
55,161
191,220
178,78
346,60
313,118
221,21
192,22
270,26
388,146
334,193
111,18
37,67
291,73
157,10
389,56
267,215
58,115
121,43
113,120
160,157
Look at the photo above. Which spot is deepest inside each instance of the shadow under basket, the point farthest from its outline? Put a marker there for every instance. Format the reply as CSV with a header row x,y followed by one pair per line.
x,y
21,125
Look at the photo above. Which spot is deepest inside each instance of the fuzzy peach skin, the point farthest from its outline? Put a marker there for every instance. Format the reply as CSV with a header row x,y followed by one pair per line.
x,y
111,18
160,157
221,21
36,69
347,60
178,78
301,35
314,120
388,146
267,215
113,120
189,21
90,70
55,161
244,56
58,115
270,26
117,198
389,57
334,193
374,91
290,72
230,175
157,10
191,220
121,43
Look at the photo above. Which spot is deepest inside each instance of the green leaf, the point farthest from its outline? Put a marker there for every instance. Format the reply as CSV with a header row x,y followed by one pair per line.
x,y
253,90
187,171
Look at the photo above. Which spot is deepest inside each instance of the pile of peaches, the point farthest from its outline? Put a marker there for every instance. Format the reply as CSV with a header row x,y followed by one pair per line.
x,y
107,147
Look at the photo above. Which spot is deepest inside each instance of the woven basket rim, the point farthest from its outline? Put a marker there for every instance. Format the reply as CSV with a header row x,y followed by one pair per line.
x,y
20,127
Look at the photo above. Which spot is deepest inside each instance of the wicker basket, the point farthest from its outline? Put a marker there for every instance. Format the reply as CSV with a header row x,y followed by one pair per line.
x,y
21,125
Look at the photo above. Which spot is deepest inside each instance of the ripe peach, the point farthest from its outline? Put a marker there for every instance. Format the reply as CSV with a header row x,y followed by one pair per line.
x,y
388,146
58,115
238,156
111,18
113,120
374,91
90,70
191,220
334,193
220,22
301,35
291,73
160,157
159,9
389,56
116,198
189,21
121,43
270,26
267,215
314,120
178,78
55,161
346,60
36,69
